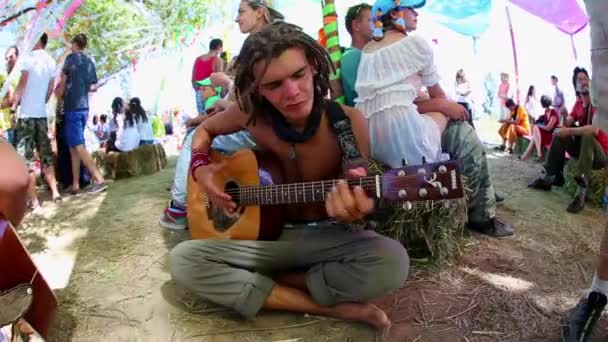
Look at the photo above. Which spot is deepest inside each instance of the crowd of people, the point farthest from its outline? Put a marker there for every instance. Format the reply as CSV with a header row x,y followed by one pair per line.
x,y
273,97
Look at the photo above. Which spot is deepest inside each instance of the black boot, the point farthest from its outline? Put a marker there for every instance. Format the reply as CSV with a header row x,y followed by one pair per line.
x,y
578,204
559,180
492,227
579,326
541,184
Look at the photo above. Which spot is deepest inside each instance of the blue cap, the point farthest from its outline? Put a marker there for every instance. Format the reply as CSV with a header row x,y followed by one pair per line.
x,y
386,5
382,7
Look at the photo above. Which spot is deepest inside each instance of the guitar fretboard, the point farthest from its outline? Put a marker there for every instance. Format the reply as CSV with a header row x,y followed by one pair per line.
x,y
300,193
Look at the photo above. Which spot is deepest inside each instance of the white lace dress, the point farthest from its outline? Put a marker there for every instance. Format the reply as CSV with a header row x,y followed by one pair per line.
x,y
389,80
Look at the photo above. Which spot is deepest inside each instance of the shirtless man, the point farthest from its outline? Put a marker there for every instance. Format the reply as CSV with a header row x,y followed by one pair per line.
x,y
326,269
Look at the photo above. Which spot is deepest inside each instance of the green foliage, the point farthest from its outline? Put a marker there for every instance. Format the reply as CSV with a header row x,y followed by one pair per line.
x,y
120,31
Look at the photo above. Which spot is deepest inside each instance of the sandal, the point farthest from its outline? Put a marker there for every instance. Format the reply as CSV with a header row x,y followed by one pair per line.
x,y
57,200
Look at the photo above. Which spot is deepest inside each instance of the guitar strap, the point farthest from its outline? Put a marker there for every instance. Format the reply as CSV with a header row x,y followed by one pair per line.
x,y
351,156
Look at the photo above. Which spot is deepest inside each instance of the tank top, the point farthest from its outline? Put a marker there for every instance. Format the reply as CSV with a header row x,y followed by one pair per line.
x,y
203,68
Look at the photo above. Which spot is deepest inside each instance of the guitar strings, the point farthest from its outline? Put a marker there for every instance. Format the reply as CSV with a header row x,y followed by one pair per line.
x,y
366,181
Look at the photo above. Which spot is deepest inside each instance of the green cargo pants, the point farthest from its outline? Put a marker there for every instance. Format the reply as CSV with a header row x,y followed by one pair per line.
x,y
461,142
341,266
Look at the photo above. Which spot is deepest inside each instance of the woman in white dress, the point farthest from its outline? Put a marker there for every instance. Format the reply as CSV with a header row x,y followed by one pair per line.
x,y
532,104
394,68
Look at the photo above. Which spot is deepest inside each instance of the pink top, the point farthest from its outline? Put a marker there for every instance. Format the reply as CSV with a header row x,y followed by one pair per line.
x,y
203,69
503,92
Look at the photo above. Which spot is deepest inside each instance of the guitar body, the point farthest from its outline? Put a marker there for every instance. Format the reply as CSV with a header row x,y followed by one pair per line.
x,y
243,168
17,271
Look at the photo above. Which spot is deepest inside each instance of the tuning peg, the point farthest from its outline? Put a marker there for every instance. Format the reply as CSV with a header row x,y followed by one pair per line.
x,y
403,162
444,191
443,169
402,194
423,193
408,206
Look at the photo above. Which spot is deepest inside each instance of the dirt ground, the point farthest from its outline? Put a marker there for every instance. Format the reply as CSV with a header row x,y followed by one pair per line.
x,y
106,256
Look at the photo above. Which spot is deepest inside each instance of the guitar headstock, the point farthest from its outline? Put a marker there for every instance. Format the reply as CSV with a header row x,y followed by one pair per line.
x,y
428,182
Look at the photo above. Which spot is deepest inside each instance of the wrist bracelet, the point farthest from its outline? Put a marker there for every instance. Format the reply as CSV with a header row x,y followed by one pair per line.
x,y
199,158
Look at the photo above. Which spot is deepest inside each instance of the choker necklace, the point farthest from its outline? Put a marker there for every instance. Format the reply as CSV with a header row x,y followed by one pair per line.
x,y
286,133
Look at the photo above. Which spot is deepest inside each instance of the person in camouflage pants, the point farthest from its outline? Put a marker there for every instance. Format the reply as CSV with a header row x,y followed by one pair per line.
x,y
32,133
461,142
580,323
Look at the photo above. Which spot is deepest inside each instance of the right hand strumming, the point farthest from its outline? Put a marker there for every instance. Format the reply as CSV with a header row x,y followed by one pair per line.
x,y
217,196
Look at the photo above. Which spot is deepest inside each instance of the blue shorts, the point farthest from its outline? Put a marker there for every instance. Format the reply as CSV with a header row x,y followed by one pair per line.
x,y
146,142
75,122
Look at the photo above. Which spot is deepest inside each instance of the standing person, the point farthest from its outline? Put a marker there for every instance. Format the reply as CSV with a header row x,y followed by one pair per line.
x,y
463,94
358,25
32,131
204,66
7,114
78,78
331,270
558,99
580,323
532,105
253,15
503,94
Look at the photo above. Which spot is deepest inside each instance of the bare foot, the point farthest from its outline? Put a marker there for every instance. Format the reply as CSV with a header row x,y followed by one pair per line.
x,y
364,313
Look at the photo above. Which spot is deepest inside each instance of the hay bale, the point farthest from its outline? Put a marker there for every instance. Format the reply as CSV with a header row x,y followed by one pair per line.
x,y
521,145
597,184
145,160
432,231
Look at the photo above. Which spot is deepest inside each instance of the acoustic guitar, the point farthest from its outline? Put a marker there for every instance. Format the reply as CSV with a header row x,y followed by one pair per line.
x,y
26,300
254,182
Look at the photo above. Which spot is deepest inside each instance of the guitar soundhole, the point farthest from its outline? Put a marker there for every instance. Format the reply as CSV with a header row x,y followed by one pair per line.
x,y
222,220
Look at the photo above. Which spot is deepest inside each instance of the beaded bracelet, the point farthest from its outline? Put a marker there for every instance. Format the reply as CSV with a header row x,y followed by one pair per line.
x,y
199,158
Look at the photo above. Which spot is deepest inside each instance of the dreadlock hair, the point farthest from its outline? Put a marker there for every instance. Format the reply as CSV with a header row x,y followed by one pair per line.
x,y
137,110
269,43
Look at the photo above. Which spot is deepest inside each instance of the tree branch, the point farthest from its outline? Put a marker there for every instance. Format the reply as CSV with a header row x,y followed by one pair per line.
x,y
4,22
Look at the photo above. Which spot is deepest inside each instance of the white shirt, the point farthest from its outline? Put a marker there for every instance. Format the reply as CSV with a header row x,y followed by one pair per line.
x,y
461,89
389,81
91,141
127,138
40,67
533,108
145,130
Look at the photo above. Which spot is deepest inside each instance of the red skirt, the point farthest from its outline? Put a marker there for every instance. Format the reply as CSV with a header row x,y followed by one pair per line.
x,y
546,137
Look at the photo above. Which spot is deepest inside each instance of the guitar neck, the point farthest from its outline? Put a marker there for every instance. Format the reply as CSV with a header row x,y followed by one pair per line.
x,y
302,193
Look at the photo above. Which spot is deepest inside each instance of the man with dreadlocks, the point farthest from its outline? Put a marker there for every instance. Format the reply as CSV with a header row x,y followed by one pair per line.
x,y
318,267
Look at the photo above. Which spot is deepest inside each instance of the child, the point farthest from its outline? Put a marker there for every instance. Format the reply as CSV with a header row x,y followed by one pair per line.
x,y
144,125
127,134
209,93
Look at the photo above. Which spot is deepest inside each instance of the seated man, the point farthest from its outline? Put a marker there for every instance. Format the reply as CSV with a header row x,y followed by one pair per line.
x,y
586,142
320,267
582,320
